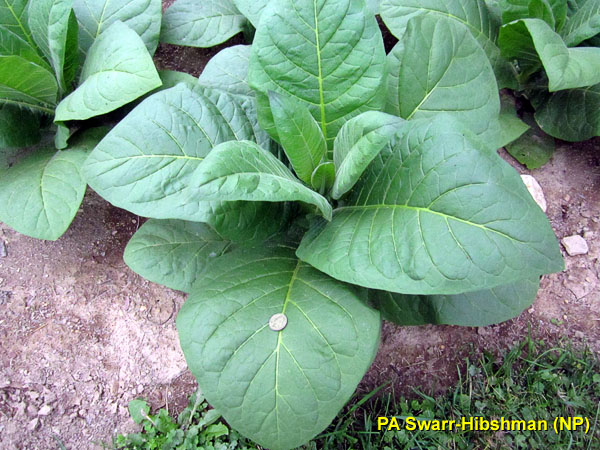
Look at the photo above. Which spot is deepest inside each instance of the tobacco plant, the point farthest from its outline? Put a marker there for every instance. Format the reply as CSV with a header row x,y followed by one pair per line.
x,y
42,43
545,50
296,213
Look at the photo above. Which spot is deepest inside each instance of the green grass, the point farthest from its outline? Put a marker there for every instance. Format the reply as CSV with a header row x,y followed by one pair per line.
x,y
530,382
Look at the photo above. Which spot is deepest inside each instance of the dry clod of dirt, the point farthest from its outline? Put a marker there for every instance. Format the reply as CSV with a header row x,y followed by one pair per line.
x,y
575,245
535,190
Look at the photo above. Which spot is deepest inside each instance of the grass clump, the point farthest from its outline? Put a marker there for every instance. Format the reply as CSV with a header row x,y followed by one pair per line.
x,y
532,382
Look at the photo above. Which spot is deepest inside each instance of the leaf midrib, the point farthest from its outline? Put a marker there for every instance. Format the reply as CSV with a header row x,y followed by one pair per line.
x,y
320,70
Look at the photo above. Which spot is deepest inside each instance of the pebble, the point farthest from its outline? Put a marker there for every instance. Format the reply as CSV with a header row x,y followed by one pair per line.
x,y
33,424
575,245
535,190
45,410
3,252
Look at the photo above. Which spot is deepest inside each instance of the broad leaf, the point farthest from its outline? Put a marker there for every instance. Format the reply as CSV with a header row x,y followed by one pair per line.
x,y
323,177
553,12
27,85
299,135
473,309
328,54
173,252
95,16
72,55
279,388
201,24
49,24
241,170
434,214
18,127
40,195
13,16
534,148
147,162
359,141
252,9
171,78
566,68
443,69
572,115
118,70
506,129
12,44
583,24
472,13
228,70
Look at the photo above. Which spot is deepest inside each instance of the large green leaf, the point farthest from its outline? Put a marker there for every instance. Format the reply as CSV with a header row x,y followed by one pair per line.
x,y
40,195
572,115
583,24
95,16
18,127
534,148
49,25
26,84
434,214
173,252
359,141
328,54
241,170
117,70
201,24
299,135
473,309
472,13
443,69
13,44
279,388
228,70
13,16
252,9
566,68
553,12
506,129
147,162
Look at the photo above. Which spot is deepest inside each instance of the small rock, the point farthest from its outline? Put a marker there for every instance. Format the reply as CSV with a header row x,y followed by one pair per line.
x,y
575,245
535,190
3,252
33,424
31,411
579,335
45,410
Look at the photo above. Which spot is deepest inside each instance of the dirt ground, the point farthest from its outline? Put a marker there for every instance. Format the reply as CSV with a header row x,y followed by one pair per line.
x,y
81,335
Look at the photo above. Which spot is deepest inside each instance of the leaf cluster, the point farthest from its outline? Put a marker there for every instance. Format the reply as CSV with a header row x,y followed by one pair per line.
x,y
314,176
64,62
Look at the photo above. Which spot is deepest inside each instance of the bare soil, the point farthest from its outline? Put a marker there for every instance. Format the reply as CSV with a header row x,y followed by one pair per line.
x,y
81,335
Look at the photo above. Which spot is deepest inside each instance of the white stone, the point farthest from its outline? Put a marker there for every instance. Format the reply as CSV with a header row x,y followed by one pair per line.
x,y
575,245
535,190
45,410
